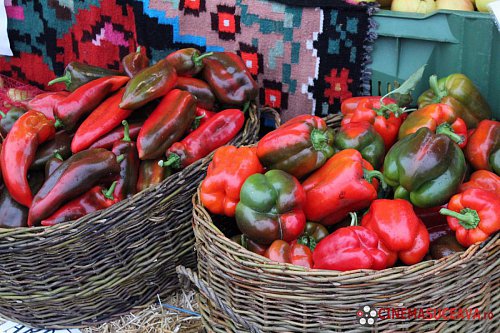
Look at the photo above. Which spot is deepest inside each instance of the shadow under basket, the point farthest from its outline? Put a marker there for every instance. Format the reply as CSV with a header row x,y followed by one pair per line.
x,y
240,291
105,264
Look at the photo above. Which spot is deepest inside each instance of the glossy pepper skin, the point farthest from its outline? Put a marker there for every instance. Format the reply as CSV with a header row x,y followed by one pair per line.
x,y
61,144
216,132
108,140
270,207
313,233
298,147
249,244
362,137
399,229
149,84
344,184
459,92
188,61
134,62
229,78
369,109
85,99
444,246
76,74
166,125
294,253
474,215
201,116
205,98
129,166
439,118
424,168
101,121
483,149
483,179
97,198
18,152
75,176
151,174
52,164
46,102
230,167
9,118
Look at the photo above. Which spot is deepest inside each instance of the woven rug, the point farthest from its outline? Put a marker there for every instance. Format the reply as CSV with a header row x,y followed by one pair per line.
x,y
307,59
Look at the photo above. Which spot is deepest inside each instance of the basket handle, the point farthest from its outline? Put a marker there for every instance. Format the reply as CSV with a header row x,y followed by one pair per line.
x,y
187,274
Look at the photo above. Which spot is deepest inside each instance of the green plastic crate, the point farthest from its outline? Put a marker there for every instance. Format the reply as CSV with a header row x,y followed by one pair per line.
x,y
447,41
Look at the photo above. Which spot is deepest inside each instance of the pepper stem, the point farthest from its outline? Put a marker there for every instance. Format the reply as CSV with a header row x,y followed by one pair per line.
x,y
126,132
198,59
66,78
468,218
173,160
354,219
196,122
2,114
433,83
318,139
120,158
447,130
308,241
58,156
109,192
58,123
370,174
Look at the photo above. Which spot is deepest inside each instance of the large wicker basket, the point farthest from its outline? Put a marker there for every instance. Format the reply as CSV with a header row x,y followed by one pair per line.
x,y
241,291
87,271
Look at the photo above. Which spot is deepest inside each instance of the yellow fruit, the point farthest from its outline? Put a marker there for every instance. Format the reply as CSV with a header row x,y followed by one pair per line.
x,y
414,6
482,5
465,5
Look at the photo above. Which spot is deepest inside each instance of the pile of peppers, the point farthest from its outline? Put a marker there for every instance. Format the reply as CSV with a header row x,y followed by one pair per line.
x,y
113,133
389,187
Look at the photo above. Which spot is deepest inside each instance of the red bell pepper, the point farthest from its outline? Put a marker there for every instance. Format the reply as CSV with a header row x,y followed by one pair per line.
x,y
249,244
45,103
19,150
85,99
294,253
201,117
399,229
108,140
483,149
385,122
101,121
230,167
484,180
344,184
97,198
216,132
129,166
474,215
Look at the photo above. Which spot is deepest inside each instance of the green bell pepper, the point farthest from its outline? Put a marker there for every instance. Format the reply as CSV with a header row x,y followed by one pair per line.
x,y
424,168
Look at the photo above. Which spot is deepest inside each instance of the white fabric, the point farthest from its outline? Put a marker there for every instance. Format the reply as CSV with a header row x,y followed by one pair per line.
x,y
4,38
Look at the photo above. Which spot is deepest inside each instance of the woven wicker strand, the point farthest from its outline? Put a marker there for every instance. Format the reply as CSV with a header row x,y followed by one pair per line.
x,y
105,264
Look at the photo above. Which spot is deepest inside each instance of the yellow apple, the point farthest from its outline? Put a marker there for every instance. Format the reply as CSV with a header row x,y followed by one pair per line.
x,y
482,5
414,6
465,5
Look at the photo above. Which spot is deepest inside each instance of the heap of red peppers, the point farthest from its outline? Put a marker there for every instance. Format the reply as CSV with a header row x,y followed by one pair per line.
x,y
113,133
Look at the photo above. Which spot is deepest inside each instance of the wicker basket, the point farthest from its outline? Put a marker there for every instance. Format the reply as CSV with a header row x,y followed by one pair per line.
x,y
241,291
85,272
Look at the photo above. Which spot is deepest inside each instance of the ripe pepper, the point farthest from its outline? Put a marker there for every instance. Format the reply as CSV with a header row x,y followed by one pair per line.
x,y
483,149
18,152
483,179
425,168
201,117
75,176
459,92
76,74
230,167
46,103
439,118
85,99
249,244
313,233
61,144
344,184
229,78
474,215
101,121
108,140
188,61
300,146
149,84
134,62
151,174
216,132
294,253
205,98
129,166
97,198
167,124
270,207
52,164
9,118
362,137
399,229
386,120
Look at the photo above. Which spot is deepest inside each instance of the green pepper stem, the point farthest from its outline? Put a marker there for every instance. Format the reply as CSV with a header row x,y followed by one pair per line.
x,y
308,241
433,83
126,132
354,219
198,59
318,139
2,114
138,50
370,174
173,160
108,194
58,156
58,123
120,158
468,218
196,122
447,130
66,78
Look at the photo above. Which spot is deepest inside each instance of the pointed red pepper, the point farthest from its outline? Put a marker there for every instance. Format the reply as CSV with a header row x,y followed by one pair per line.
x,y
108,140
129,166
46,103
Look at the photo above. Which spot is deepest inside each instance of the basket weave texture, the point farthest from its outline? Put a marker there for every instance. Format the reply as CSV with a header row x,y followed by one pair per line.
x,y
241,291
100,266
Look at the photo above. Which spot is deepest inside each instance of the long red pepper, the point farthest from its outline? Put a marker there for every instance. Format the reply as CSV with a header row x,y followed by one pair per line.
x,y
108,140
46,103
129,166
19,149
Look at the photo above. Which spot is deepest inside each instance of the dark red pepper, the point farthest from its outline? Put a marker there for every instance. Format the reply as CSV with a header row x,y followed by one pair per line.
x,y
129,166
187,62
205,98
52,164
46,103
19,149
61,144
134,62
151,174
9,118
218,131
107,141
